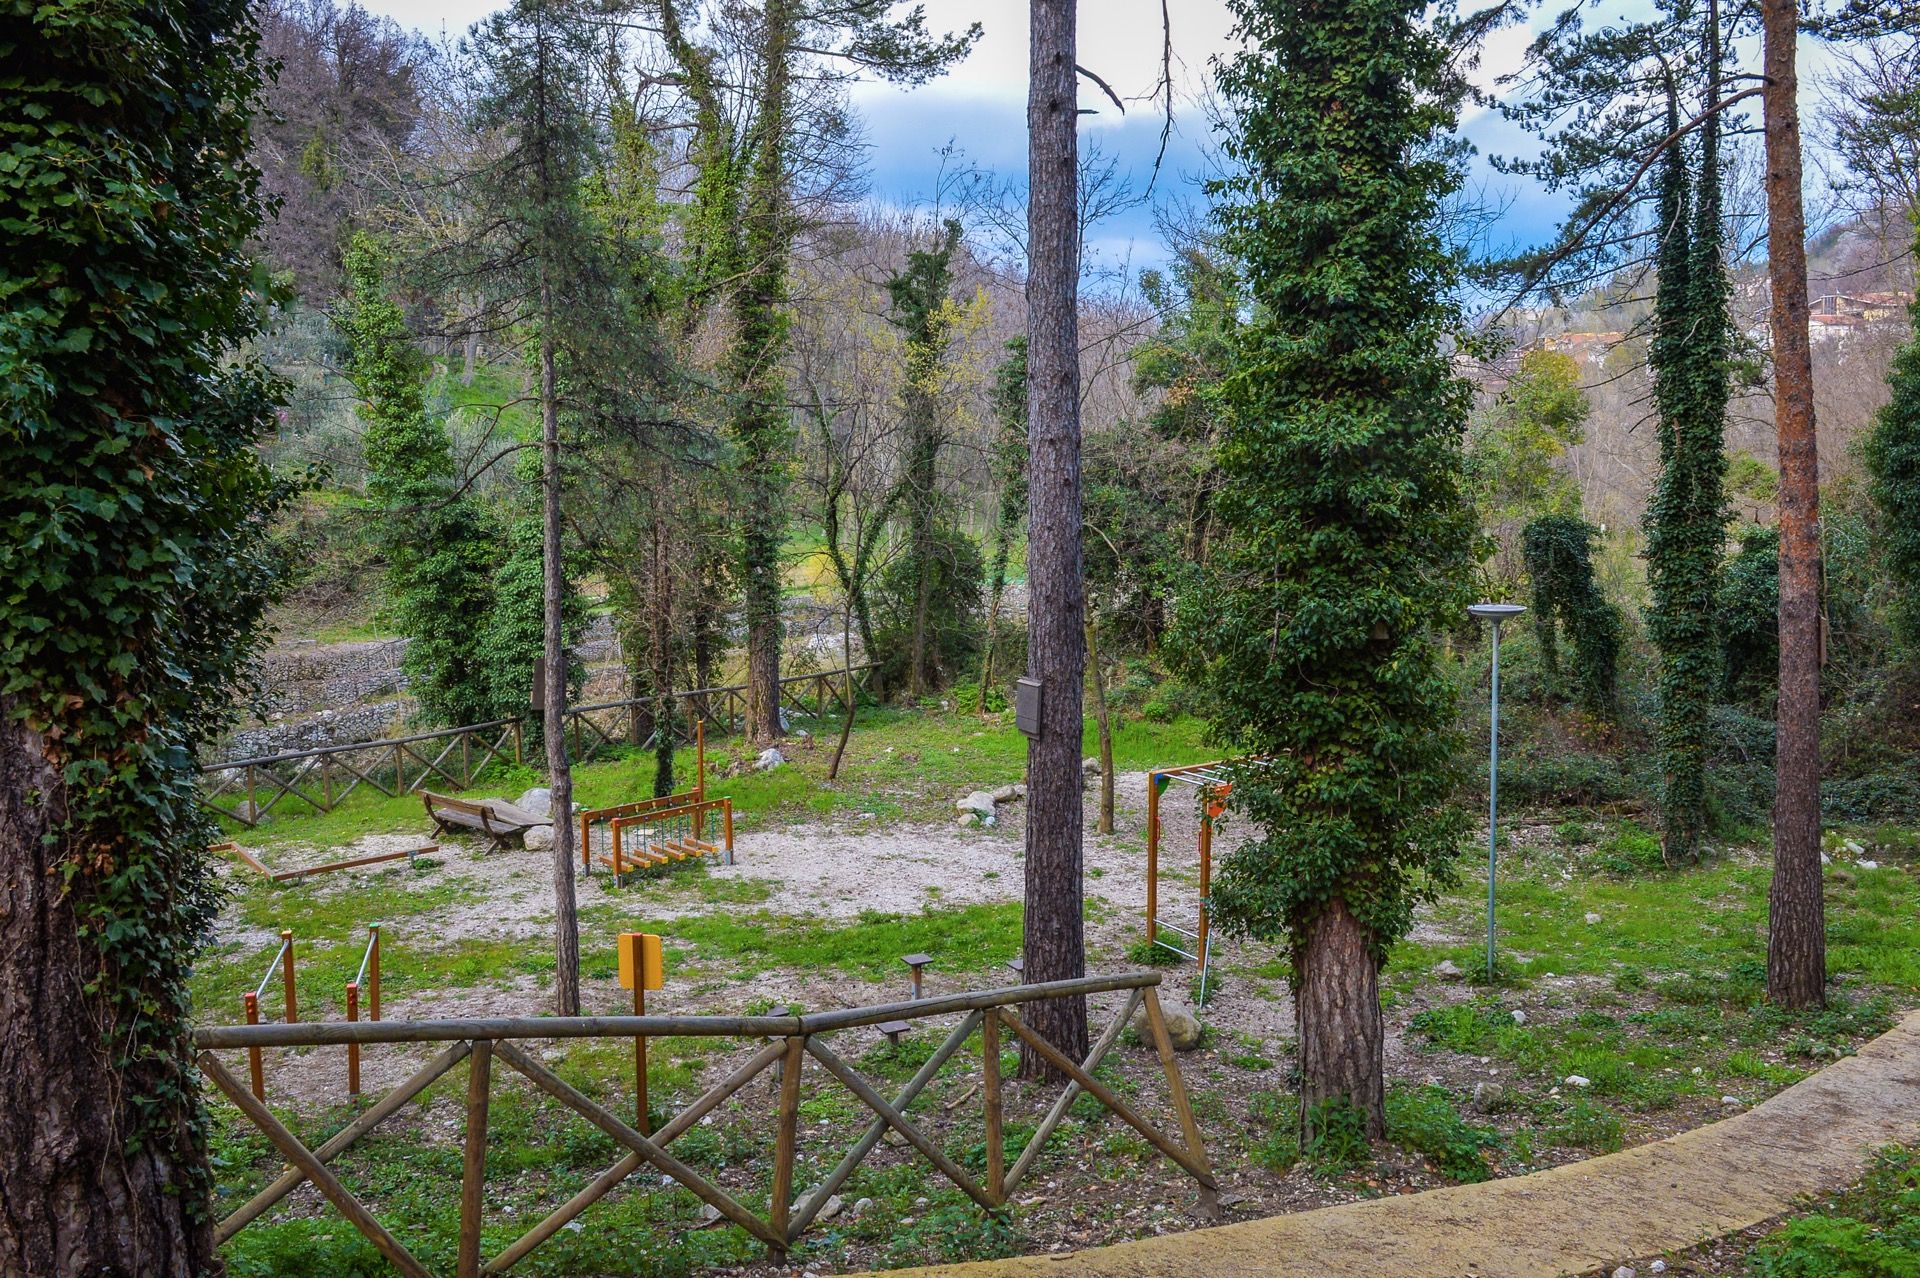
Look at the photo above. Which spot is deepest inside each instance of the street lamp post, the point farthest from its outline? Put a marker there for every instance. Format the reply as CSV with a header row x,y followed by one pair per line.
x,y
1495,613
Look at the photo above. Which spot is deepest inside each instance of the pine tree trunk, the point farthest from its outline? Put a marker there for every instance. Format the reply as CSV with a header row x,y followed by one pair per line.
x,y
1796,941
1055,944
1336,999
566,923
76,1197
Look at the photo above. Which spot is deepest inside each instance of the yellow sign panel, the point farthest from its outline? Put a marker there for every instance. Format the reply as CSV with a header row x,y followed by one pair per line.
x,y
641,951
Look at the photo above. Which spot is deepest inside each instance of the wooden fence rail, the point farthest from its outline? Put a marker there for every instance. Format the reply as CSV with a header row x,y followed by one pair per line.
x,y
248,790
792,1040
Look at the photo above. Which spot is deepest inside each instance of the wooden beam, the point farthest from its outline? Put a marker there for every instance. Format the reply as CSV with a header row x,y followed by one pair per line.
x,y
473,1162
1104,1094
810,1207
323,1180
386,1106
549,1082
786,1138
864,1090
1177,1092
1038,1140
632,1162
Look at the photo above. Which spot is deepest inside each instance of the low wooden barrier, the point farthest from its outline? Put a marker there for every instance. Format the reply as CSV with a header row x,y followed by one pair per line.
x,y
247,790
791,1040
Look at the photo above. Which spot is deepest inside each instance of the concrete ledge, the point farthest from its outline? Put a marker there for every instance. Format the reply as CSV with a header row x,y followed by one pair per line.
x,y
1813,1138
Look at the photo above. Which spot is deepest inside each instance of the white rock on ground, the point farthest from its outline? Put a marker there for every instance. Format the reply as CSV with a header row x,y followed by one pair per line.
x,y
1448,970
1578,1080
1519,1017
978,801
769,759
1090,766
1183,1028
538,801
539,839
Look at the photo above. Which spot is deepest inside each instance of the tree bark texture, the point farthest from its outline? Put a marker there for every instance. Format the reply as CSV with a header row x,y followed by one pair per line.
x,y
75,1198
566,923
1336,999
1796,939
1054,943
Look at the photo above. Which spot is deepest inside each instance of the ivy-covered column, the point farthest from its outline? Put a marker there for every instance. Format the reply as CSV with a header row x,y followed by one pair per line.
x,y
1343,541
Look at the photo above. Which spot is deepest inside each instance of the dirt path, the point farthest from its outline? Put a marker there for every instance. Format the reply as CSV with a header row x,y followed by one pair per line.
x,y
1585,1217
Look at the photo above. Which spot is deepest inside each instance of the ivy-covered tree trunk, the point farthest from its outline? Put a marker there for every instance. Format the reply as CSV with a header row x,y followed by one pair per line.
x,y
78,1195
1796,937
1055,947
762,432
1342,544
1010,472
134,516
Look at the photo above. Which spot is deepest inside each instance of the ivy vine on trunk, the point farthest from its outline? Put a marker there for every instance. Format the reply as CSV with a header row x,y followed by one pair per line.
x,y
1342,541
134,520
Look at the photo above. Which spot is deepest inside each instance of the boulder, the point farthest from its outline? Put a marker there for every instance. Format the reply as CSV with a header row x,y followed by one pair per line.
x,y
769,759
1006,794
538,801
539,839
980,802
1448,970
1090,766
1183,1028
1578,1080
1488,1097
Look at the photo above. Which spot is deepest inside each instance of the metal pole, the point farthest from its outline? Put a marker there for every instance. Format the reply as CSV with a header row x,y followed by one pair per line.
x,y
1493,798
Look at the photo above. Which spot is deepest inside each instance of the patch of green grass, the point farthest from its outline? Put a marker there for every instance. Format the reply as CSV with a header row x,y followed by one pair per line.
x,y
971,938
1871,1231
1426,1121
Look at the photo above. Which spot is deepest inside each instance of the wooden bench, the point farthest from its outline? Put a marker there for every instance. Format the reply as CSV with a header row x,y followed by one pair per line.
x,y
499,820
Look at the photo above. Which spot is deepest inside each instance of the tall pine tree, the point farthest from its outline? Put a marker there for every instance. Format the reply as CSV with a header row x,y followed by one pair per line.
x,y
1342,542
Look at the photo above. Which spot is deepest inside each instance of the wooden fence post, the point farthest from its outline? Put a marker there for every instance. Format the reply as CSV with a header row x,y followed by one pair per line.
x,y
286,975
990,1070
786,1139
254,1075
473,1165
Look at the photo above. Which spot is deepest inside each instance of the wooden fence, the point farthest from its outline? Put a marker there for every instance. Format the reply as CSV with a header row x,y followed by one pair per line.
x,y
248,790
791,1040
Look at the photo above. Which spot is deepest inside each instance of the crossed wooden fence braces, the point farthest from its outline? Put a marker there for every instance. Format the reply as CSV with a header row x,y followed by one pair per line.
x,y
791,1039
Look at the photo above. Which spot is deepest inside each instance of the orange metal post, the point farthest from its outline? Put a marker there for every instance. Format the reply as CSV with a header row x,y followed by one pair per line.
x,y
586,845
1153,856
253,1053
353,1049
1216,804
726,810
286,974
616,851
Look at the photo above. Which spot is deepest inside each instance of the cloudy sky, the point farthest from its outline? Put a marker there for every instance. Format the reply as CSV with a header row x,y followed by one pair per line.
x,y
980,107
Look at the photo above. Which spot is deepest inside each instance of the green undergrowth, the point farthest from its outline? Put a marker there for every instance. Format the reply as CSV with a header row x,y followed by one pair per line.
x,y
1871,1231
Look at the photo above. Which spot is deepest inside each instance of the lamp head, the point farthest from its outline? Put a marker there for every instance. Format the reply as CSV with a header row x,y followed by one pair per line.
x,y
1496,612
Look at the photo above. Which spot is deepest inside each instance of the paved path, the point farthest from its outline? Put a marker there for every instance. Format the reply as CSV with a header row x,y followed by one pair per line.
x,y
1671,1194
